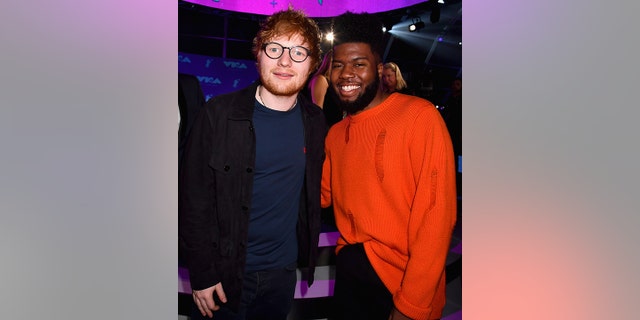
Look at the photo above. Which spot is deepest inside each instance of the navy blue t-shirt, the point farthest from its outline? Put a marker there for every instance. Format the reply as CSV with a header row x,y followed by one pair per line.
x,y
278,178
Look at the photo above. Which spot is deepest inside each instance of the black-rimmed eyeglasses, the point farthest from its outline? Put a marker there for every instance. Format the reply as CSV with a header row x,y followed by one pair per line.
x,y
275,50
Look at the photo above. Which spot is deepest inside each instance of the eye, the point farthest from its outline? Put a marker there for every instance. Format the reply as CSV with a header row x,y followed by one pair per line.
x,y
272,47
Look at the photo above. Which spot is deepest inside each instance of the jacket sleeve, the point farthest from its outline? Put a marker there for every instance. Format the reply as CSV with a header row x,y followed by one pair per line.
x,y
196,229
431,221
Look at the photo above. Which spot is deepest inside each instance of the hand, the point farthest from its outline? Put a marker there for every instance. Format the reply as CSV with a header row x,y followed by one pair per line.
x,y
204,299
397,315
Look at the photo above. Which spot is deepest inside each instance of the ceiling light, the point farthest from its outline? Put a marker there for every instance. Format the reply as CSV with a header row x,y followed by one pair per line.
x,y
416,25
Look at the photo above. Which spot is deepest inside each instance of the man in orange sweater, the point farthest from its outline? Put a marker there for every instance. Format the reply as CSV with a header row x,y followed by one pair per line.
x,y
389,174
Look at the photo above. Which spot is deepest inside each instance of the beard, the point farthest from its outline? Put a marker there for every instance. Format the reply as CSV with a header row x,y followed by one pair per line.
x,y
352,107
279,89
289,90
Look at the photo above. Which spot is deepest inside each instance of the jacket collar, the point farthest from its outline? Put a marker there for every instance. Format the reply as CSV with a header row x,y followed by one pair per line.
x,y
245,101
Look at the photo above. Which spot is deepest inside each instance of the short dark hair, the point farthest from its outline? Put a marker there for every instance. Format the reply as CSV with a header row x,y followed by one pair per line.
x,y
287,22
359,27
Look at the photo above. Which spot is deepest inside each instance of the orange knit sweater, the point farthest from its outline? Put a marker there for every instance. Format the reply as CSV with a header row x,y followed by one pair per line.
x,y
389,173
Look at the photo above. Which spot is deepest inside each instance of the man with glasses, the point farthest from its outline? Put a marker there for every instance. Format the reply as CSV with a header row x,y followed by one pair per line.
x,y
250,182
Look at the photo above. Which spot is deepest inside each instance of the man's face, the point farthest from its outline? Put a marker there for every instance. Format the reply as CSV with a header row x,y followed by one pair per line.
x,y
283,76
355,76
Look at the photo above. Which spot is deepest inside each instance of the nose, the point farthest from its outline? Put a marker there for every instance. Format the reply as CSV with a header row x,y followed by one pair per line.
x,y
285,59
347,73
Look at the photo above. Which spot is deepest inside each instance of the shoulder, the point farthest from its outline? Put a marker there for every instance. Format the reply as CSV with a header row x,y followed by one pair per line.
x,y
319,80
312,111
423,112
188,82
308,106
410,101
242,96
187,78
313,118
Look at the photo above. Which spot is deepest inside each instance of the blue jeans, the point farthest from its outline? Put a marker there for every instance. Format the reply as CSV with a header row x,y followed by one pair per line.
x,y
266,295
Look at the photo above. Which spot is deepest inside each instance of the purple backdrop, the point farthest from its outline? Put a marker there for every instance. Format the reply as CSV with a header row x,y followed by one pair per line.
x,y
218,75
313,8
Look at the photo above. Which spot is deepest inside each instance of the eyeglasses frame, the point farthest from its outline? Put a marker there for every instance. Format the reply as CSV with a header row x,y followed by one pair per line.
x,y
264,48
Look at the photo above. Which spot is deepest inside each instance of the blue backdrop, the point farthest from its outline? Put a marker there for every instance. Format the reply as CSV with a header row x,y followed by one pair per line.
x,y
218,75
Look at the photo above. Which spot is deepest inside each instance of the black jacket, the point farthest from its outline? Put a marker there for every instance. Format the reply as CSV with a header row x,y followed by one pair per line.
x,y
216,186
190,101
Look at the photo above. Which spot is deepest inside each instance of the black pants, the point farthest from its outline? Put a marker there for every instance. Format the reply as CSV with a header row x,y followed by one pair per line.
x,y
359,293
266,295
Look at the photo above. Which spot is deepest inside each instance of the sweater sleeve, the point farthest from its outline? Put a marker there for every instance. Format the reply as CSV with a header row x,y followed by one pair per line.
x,y
432,218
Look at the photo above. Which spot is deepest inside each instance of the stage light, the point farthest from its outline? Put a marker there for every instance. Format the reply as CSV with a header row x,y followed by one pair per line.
x,y
329,36
387,27
416,25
